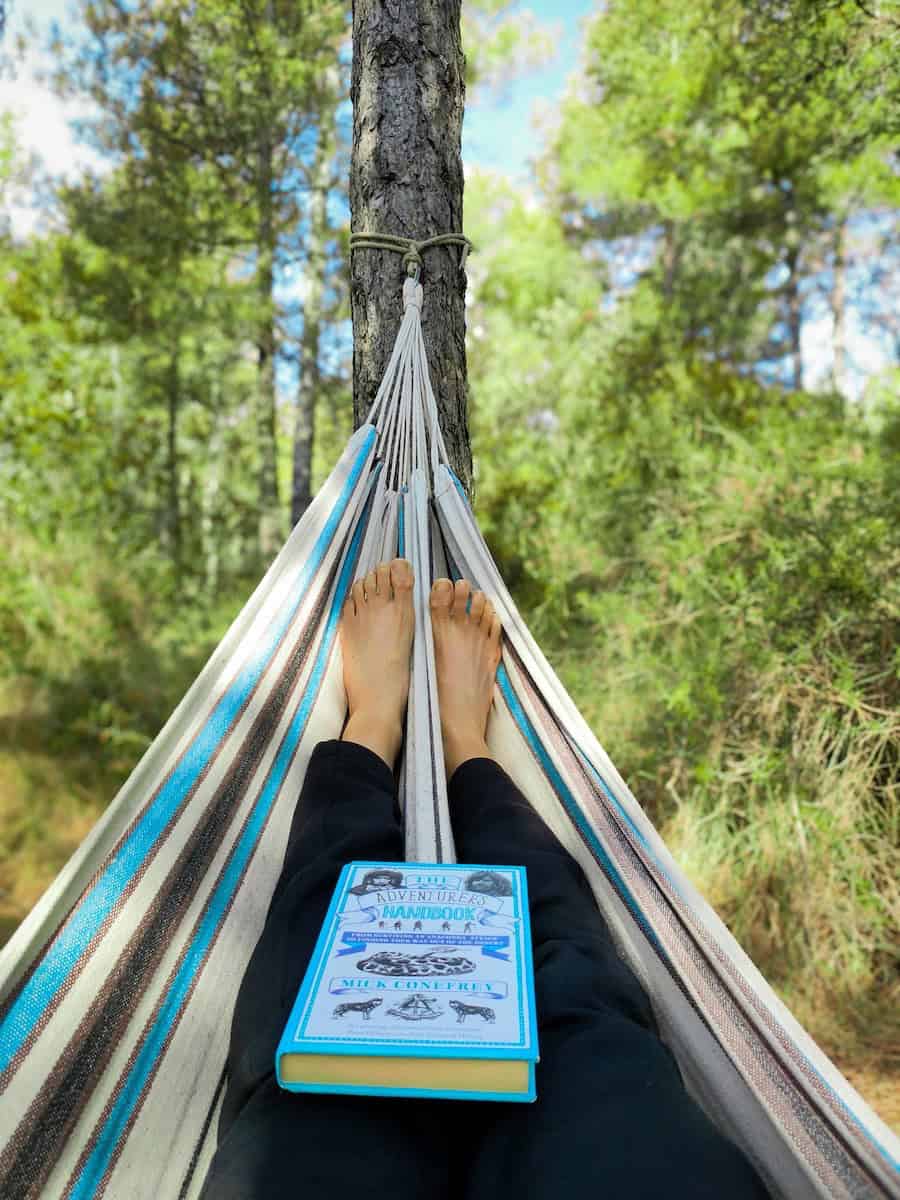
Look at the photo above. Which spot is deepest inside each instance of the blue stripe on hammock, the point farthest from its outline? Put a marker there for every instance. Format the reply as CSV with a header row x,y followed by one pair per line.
x,y
171,1007
102,896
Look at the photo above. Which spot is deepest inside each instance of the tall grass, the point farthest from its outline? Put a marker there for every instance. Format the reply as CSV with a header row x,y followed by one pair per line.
x,y
788,823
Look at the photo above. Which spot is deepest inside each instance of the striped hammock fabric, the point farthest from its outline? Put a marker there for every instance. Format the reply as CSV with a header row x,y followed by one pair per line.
x,y
116,994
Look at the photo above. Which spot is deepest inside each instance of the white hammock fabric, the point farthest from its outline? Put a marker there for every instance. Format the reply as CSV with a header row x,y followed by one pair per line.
x,y
116,994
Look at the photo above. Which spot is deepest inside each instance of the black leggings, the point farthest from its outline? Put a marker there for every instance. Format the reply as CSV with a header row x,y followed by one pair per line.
x,y
611,1119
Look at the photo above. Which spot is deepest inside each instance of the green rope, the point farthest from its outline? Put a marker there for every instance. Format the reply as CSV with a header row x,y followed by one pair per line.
x,y
409,247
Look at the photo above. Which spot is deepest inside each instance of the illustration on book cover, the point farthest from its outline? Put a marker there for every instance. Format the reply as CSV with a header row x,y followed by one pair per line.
x,y
427,946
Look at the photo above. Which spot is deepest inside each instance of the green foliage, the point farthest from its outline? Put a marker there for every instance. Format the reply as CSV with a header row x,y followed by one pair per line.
x,y
94,656
740,136
708,108
710,558
713,566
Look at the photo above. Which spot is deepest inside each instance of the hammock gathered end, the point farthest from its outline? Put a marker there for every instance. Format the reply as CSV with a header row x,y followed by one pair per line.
x,y
117,992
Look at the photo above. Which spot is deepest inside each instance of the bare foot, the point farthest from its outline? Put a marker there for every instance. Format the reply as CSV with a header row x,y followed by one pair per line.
x,y
376,634
467,654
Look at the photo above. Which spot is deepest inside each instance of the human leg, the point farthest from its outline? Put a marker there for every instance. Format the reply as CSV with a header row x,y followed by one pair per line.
x,y
274,1143
612,1117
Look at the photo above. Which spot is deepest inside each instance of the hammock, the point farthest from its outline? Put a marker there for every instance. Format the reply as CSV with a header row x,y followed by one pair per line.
x,y
116,994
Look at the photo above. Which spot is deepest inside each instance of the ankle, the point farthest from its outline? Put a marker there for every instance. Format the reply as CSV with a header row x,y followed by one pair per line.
x,y
380,734
462,746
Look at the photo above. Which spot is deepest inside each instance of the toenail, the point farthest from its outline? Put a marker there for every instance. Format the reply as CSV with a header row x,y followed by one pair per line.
x,y
442,587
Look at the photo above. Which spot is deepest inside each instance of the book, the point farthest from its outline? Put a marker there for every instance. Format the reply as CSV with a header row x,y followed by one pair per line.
x,y
421,984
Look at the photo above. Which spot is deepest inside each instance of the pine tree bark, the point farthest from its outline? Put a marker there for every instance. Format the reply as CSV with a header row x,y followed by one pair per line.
x,y
408,93
310,376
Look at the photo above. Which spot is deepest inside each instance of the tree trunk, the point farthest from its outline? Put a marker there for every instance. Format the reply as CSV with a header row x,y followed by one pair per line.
x,y
269,515
670,259
209,502
794,316
408,93
304,428
173,513
839,310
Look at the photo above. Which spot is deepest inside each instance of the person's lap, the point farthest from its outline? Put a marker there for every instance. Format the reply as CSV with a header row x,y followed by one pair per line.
x,y
319,1146
611,1119
611,1110
611,1113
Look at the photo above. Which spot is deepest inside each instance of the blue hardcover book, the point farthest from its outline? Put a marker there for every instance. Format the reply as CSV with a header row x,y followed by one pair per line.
x,y
421,984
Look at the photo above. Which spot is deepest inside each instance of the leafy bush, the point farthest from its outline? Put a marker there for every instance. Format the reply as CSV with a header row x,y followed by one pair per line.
x,y
94,656
713,567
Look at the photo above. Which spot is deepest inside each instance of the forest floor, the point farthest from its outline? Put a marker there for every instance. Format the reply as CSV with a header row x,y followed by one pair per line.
x,y
880,1089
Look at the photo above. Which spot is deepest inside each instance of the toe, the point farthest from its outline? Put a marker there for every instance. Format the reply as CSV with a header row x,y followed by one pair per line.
x,y
401,574
441,597
460,597
476,608
370,584
383,581
487,616
358,594
494,636
349,609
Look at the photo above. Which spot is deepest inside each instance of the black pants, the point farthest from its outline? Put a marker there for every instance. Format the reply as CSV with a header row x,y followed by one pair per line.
x,y
611,1119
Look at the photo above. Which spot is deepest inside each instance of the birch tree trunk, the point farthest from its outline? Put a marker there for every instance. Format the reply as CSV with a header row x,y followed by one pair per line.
x,y
408,93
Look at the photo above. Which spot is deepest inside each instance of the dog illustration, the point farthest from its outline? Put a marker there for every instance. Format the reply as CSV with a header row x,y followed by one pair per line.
x,y
362,1006
471,1010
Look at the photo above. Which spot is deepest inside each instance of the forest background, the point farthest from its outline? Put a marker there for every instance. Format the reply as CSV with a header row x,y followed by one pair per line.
x,y
698,516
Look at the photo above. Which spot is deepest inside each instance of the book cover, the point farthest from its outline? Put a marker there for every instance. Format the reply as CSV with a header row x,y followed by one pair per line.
x,y
421,984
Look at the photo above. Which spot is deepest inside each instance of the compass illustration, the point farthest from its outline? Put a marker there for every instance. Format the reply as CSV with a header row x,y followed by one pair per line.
x,y
417,1008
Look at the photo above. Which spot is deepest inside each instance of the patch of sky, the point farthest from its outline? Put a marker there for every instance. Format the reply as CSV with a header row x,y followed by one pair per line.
x,y
501,133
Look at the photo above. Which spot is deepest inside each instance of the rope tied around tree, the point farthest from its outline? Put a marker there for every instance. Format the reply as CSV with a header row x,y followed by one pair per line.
x,y
410,248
